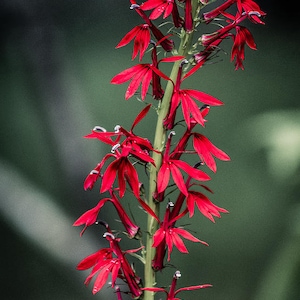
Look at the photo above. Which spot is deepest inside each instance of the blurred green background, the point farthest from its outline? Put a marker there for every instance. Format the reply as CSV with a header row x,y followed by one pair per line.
x,y
57,58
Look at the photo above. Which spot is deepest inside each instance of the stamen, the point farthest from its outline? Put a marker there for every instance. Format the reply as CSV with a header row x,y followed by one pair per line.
x,y
99,129
177,275
134,6
171,134
117,128
109,234
114,148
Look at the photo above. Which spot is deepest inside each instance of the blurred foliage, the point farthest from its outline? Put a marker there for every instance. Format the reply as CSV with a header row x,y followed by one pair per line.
x,y
57,58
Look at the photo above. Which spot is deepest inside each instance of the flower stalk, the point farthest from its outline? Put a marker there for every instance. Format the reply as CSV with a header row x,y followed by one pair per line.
x,y
164,158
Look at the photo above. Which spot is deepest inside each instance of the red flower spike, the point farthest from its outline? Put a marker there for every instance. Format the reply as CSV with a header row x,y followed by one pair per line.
x,y
205,206
206,150
171,294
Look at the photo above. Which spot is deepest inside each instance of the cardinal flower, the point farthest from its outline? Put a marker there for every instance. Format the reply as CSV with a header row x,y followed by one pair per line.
x,y
90,217
172,167
111,261
142,75
206,150
170,235
188,105
205,206
165,8
171,294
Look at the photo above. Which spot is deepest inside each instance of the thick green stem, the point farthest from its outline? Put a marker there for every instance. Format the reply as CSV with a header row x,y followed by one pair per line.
x,y
159,143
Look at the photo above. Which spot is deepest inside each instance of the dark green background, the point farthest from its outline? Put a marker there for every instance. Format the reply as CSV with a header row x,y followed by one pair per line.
x,y
56,61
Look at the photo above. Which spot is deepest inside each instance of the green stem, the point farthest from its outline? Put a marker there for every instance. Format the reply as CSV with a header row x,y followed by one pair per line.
x,y
159,144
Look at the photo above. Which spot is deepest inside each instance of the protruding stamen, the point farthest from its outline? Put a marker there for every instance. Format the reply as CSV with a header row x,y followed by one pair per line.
x,y
117,128
99,129
114,148
177,274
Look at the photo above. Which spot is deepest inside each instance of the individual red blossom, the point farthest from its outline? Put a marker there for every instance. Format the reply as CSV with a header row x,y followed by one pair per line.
x,y
141,36
122,167
171,294
243,36
188,19
206,150
171,166
205,206
188,105
90,217
165,7
142,75
169,235
166,44
111,261
246,6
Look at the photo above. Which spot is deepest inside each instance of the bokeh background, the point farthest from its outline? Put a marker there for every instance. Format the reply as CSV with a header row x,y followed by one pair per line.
x,y
56,61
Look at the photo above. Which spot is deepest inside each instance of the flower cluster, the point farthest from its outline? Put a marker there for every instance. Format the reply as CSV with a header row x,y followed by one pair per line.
x,y
174,182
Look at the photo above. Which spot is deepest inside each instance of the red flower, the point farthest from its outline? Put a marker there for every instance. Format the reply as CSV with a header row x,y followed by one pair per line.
x,y
111,261
246,6
243,36
90,217
171,294
206,150
188,105
142,75
141,35
188,20
205,206
165,7
172,167
169,235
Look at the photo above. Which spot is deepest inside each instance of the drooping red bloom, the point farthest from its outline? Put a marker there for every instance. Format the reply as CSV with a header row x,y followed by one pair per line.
x,y
188,19
142,75
171,294
206,150
243,36
141,36
90,217
112,261
205,206
171,166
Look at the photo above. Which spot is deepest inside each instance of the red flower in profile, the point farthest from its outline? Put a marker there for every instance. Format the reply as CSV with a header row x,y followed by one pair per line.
x,y
247,6
141,36
172,167
171,294
206,150
243,36
188,105
112,261
205,206
142,75
90,217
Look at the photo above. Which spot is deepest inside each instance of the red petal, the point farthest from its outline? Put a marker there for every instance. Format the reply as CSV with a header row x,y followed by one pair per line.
x,y
203,97
140,116
163,177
